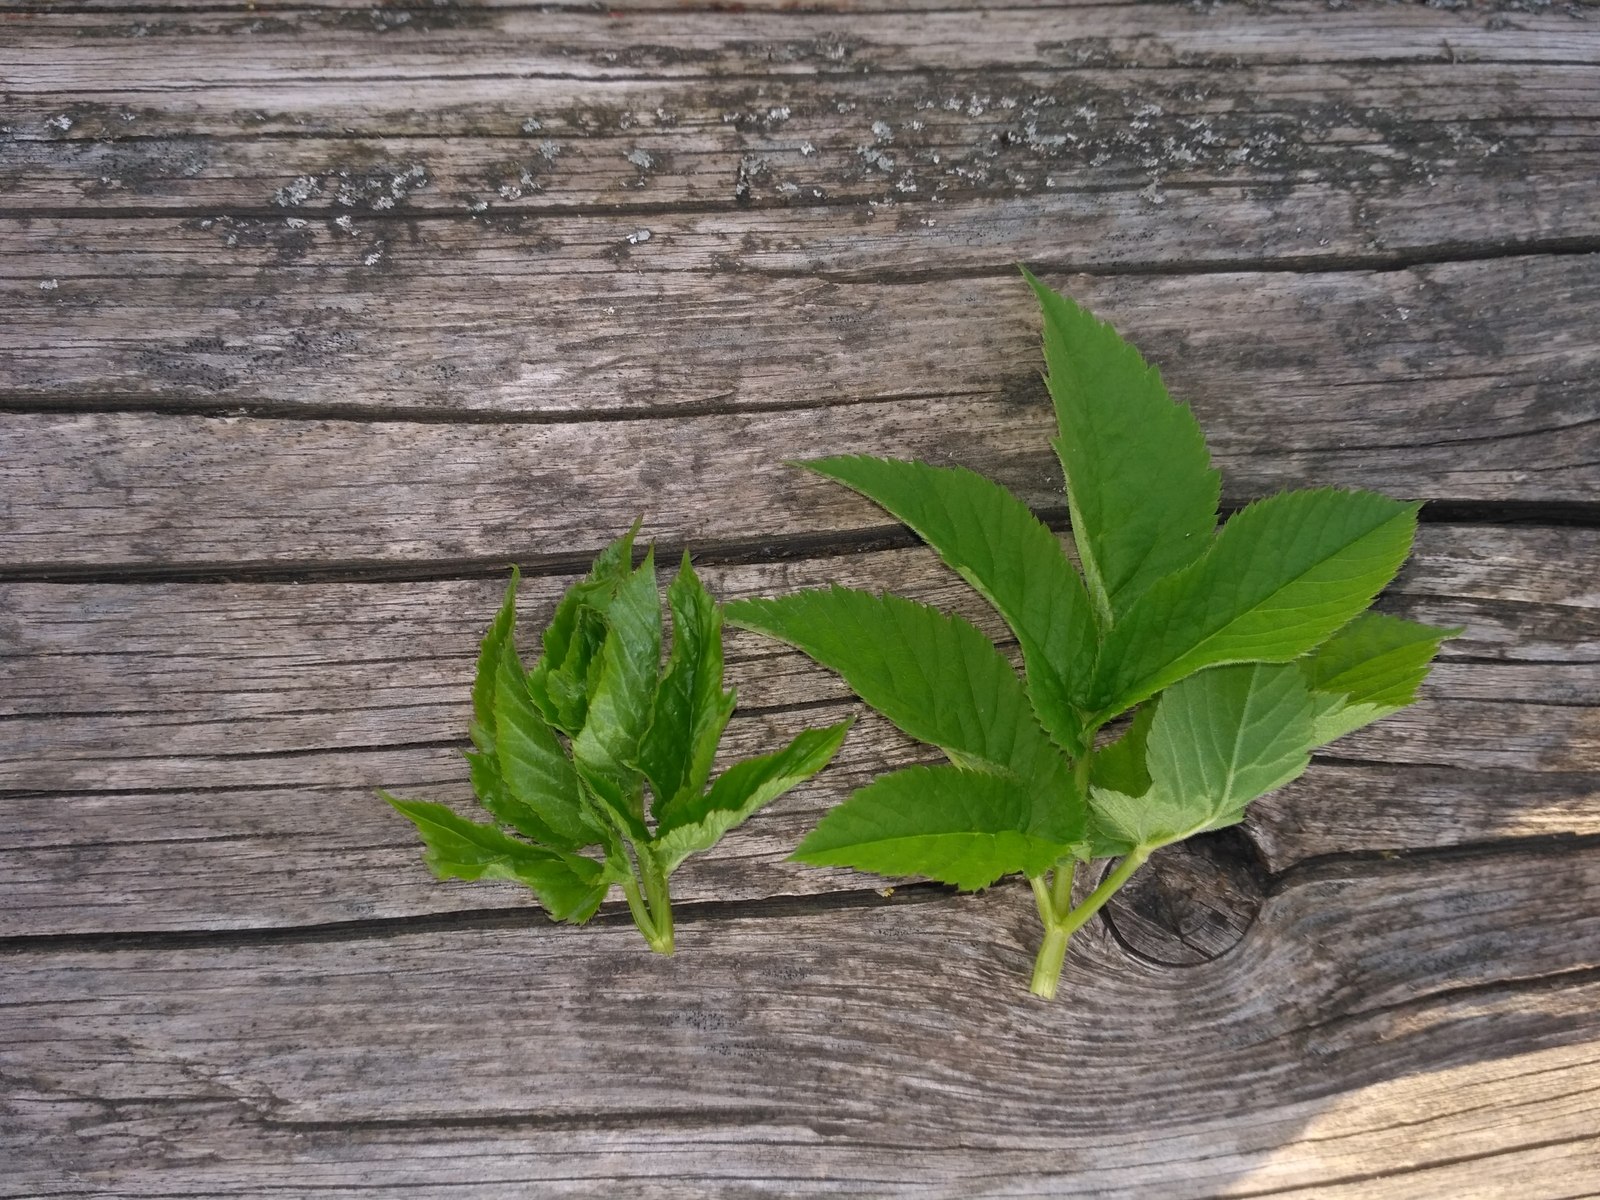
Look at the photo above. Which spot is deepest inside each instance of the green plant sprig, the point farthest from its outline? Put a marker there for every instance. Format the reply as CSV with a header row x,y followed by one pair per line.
x,y
566,752
1238,650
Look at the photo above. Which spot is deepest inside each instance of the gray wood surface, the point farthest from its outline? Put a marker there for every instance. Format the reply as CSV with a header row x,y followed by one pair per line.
x,y
313,318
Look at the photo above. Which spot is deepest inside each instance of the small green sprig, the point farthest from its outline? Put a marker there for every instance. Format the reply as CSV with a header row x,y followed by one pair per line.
x,y
565,753
1238,651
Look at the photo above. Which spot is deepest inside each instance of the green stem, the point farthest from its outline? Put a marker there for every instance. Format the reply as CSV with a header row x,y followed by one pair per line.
x,y
1041,898
1061,889
1075,919
1055,900
1047,965
655,890
636,905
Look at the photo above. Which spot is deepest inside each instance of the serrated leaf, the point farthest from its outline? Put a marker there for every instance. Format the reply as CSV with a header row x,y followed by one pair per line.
x,y
1121,766
1367,670
691,709
966,828
565,676
992,540
499,635
541,797
1140,487
606,749
934,675
1281,577
568,886
1218,741
695,822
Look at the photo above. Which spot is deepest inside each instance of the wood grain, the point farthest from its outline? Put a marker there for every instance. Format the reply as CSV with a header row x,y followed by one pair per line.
x,y
312,318
888,1040
286,51
584,147
204,756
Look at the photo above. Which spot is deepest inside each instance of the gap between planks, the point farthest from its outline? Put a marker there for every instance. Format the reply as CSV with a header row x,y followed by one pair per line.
x,y
1351,865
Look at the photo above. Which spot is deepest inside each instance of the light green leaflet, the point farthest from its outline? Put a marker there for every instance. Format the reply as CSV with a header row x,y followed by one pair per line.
x,y
1219,739
1241,650
565,753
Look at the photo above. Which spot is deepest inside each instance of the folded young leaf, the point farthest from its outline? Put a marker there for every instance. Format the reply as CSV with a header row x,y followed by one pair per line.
x,y
1283,574
992,540
691,709
966,828
1218,740
563,753
695,821
934,675
1140,487
606,749
1369,669
535,769
570,887
567,673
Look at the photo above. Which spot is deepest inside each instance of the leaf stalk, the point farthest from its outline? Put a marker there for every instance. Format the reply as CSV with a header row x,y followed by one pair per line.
x,y
1061,920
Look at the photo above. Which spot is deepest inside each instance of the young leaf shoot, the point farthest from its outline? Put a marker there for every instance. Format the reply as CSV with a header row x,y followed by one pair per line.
x,y
566,753
1237,650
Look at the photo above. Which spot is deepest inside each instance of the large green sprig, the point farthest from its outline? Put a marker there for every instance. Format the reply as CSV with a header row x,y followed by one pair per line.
x,y
1240,649
567,753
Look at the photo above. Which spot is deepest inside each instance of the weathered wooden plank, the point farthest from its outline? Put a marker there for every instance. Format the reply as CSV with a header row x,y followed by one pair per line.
x,y
293,48
394,14
183,756
1443,380
113,490
1439,1128
645,146
1309,226
889,1048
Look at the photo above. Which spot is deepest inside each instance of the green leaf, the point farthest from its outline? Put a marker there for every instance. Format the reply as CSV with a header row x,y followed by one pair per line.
x,y
541,797
568,886
568,672
992,540
966,828
1121,766
1281,576
691,709
500,635
1369,669
1218,740
935,676
1140,487
695,822
606,749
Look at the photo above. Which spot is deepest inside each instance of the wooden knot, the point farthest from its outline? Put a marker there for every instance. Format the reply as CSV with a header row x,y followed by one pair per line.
x,y
1191,902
